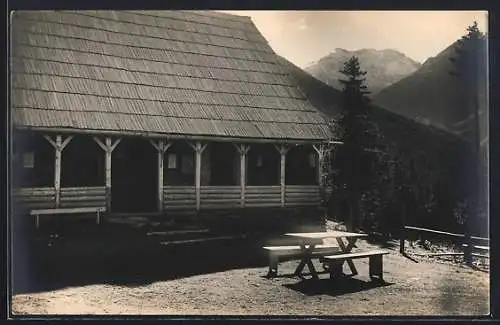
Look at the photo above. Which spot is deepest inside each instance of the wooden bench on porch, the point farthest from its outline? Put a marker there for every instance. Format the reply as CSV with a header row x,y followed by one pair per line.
x,y
38,212
334,263
293,252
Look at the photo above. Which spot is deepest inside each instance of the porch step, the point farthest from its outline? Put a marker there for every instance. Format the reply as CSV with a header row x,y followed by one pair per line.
x,y
199,240
177,232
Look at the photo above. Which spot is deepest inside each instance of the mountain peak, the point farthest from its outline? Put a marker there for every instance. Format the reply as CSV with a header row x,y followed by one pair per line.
x,y
384,67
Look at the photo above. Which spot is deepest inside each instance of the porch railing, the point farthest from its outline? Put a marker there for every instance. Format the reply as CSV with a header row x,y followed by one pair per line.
x,y
217,197
71,197
300,195
80,197
33,198
175,197
179,198
263,196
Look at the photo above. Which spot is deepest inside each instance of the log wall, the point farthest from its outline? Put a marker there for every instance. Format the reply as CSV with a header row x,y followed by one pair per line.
x,y
302,195
263,196
220,197
79,197
33,198
223,197
179,198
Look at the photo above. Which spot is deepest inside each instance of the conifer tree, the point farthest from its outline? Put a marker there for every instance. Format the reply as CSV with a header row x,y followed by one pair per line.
x,y
470,50
355,133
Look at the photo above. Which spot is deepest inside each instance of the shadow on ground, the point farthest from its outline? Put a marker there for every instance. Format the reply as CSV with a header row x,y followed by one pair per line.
x,y
134,265
334,287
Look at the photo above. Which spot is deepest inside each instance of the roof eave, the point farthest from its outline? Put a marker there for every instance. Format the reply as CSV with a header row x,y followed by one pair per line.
x,y
173,136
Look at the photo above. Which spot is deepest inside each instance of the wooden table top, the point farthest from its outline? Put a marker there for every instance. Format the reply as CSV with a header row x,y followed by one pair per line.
x,y
326,234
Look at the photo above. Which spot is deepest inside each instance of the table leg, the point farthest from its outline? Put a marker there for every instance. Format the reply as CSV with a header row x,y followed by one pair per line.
x,y
347,249
306,260
351,243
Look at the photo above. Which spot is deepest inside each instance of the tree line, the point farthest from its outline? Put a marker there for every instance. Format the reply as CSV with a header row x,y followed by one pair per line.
x,y
380,183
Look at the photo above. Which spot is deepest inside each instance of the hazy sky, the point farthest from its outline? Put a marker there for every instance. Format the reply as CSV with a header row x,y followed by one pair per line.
x,y
306,36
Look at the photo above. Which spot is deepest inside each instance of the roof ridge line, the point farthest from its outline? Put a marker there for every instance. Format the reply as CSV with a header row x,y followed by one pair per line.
x,y
160,27
140,35
196,22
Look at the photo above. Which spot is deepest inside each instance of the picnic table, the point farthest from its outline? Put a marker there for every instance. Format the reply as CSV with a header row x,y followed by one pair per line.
x,y
308,241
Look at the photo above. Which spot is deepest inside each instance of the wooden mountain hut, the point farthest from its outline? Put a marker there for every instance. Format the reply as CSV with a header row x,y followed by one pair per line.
x,y
157,111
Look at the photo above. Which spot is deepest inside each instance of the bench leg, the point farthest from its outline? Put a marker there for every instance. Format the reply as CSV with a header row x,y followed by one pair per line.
x,y
376,267
273,266
336,270
37,221
98,217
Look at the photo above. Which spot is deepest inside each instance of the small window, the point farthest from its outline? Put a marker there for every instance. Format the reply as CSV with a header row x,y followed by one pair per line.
x,y
29,160
172,161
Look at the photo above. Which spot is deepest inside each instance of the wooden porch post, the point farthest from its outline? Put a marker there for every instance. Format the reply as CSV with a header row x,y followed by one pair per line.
x,y
282,150
161,147
320,150
198,148
243,150
59,146
108,148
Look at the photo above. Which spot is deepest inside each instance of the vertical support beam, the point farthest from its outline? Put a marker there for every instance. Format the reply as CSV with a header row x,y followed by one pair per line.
x,y
198,148
59,146
108,153
57,170
108,148
320,150
243,150
161,148
282,149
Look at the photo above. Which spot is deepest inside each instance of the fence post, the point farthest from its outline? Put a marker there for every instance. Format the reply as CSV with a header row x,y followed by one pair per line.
x,y
467,248
402,235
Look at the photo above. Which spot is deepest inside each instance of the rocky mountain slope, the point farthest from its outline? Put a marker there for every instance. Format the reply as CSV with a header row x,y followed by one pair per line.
x,y
431,95
383,67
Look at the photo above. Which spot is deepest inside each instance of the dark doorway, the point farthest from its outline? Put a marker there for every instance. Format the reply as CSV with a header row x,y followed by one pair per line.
x,y
301,166
264,164
222,162
134,176
82,163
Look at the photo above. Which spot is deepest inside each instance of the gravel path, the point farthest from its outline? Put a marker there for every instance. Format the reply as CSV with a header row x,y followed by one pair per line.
x,y
425,288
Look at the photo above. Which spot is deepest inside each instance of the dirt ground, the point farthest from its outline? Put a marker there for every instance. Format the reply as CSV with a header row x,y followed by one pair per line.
x,y
429,287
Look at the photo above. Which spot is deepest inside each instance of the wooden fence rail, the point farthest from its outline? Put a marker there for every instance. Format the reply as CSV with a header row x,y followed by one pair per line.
x,y
439,232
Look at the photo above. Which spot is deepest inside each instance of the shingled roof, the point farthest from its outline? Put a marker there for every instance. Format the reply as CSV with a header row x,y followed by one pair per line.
x,y
193,73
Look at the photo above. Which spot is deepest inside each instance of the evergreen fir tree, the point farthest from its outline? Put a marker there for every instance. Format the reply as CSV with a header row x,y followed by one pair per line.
x,y
470,50
356,133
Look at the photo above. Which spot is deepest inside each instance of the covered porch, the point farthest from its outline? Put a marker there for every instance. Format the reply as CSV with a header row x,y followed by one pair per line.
x,y
132,174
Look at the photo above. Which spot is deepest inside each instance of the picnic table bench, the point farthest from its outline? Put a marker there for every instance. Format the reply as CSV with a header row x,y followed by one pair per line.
x,y
38,212
334,263
277,252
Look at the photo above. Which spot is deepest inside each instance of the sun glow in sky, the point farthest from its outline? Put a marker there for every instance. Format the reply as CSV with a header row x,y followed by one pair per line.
x,y
305,36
